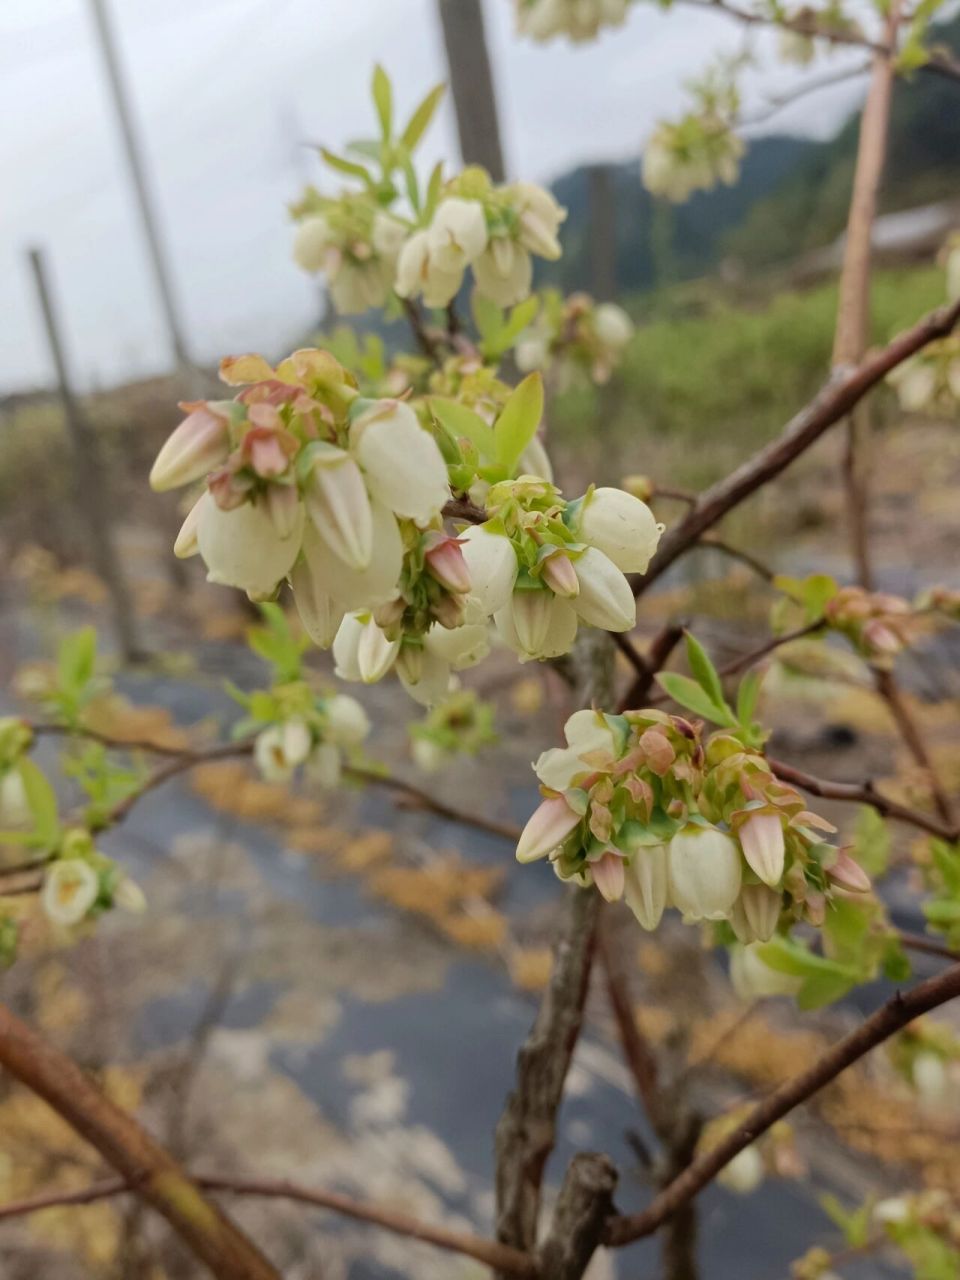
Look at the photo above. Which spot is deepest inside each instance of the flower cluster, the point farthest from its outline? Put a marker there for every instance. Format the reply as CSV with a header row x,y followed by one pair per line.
x,y
80,882
313,733
579,19
929,382
539,565
876,623
493,230
637,805
692,154
355,244
573,336
460,725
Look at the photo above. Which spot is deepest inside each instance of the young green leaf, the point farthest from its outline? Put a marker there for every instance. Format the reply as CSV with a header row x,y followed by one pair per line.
x,y
348,167
518,421
747,695
419,122
76,658
383,100
705,673
42,803
691,695
462,421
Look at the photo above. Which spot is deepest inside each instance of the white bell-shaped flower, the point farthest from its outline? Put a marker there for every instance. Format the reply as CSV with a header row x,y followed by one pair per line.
x,y
357,588
744,1173
320,614
339,507
241,548
540,218
492,563
537,625
504,272
761,839
347,724
756,913
361,651
605,598
70,888
622,527
425,675
705,873
647,884
586,732
612,326
402,462
418,272
281,748
460,647
457,234
311,243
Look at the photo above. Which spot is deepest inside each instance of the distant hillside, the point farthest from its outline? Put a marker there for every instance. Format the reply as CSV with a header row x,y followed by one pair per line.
x,y
792,194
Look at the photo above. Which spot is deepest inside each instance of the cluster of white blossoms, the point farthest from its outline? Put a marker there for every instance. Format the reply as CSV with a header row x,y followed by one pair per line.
x,y
638,806
573,335
929,382
579,19
365,252
539,565
315,736
80,883
693,154
308,482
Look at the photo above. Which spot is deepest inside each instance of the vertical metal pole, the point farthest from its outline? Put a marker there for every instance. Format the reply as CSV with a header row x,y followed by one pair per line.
x,y
472,83
138,178
91,492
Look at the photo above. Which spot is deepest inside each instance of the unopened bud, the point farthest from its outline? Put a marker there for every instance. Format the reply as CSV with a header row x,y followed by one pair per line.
x,y
444,561
560,575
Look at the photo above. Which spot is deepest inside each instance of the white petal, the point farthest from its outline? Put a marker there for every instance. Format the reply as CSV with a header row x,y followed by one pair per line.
x,y
403,464
606,598
492,563
241,548
462,647
646,884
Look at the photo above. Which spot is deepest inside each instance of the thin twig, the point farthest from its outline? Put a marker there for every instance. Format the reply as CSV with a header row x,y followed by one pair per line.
x,y
890,1018
775,642
419,799
661,646
737,553
777,103
888,689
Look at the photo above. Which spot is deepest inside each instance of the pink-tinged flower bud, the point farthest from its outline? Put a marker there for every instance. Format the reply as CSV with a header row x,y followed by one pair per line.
x,y
880,637
705,872
186,544
608,875
339,507
560,575
848,874
547,828
606,598
756,913
283,508
445,562
815,909
647,884
268,452
200,443
761,838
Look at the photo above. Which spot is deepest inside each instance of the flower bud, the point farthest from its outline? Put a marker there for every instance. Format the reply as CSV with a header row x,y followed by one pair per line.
x,y
70,888
128,896
647,884
388,235
492,565
547,828
612,325
761,839
744,1173
622,527
347,724
444,561
339,507
704,872
401,460
241,548
200,443
608,875
930,1078
361,651
449,611
605,599
756,913
560,575
428,755
848,874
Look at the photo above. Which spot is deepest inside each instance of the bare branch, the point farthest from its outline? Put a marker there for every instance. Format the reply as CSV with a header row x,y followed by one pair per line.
x,y
844,389
416,798
887,1020
778,102
889,691
144,1165
661,646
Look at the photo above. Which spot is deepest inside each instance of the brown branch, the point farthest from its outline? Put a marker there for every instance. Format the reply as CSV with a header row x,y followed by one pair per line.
x,y
775,642
489,1251
926,946
834,401
418,799
863,793
144,1165
526,1131
737,553
425,340
889,691
776,103
636,1051
661,646
464,509
887,1020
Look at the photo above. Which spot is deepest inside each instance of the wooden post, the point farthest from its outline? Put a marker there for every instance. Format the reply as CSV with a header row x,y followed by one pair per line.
x,y
472,83
91,493
602,223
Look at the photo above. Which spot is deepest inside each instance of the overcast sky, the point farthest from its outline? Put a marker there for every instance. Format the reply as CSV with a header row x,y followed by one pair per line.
x,y
223,92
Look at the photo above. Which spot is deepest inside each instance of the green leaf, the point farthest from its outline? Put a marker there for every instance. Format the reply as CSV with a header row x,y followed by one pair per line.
x,y
461,421
419,122
689,694
434,184
42,803
383,99
349,167
871,842
487,316
704,671
748,695
76,658
823,989
518,421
